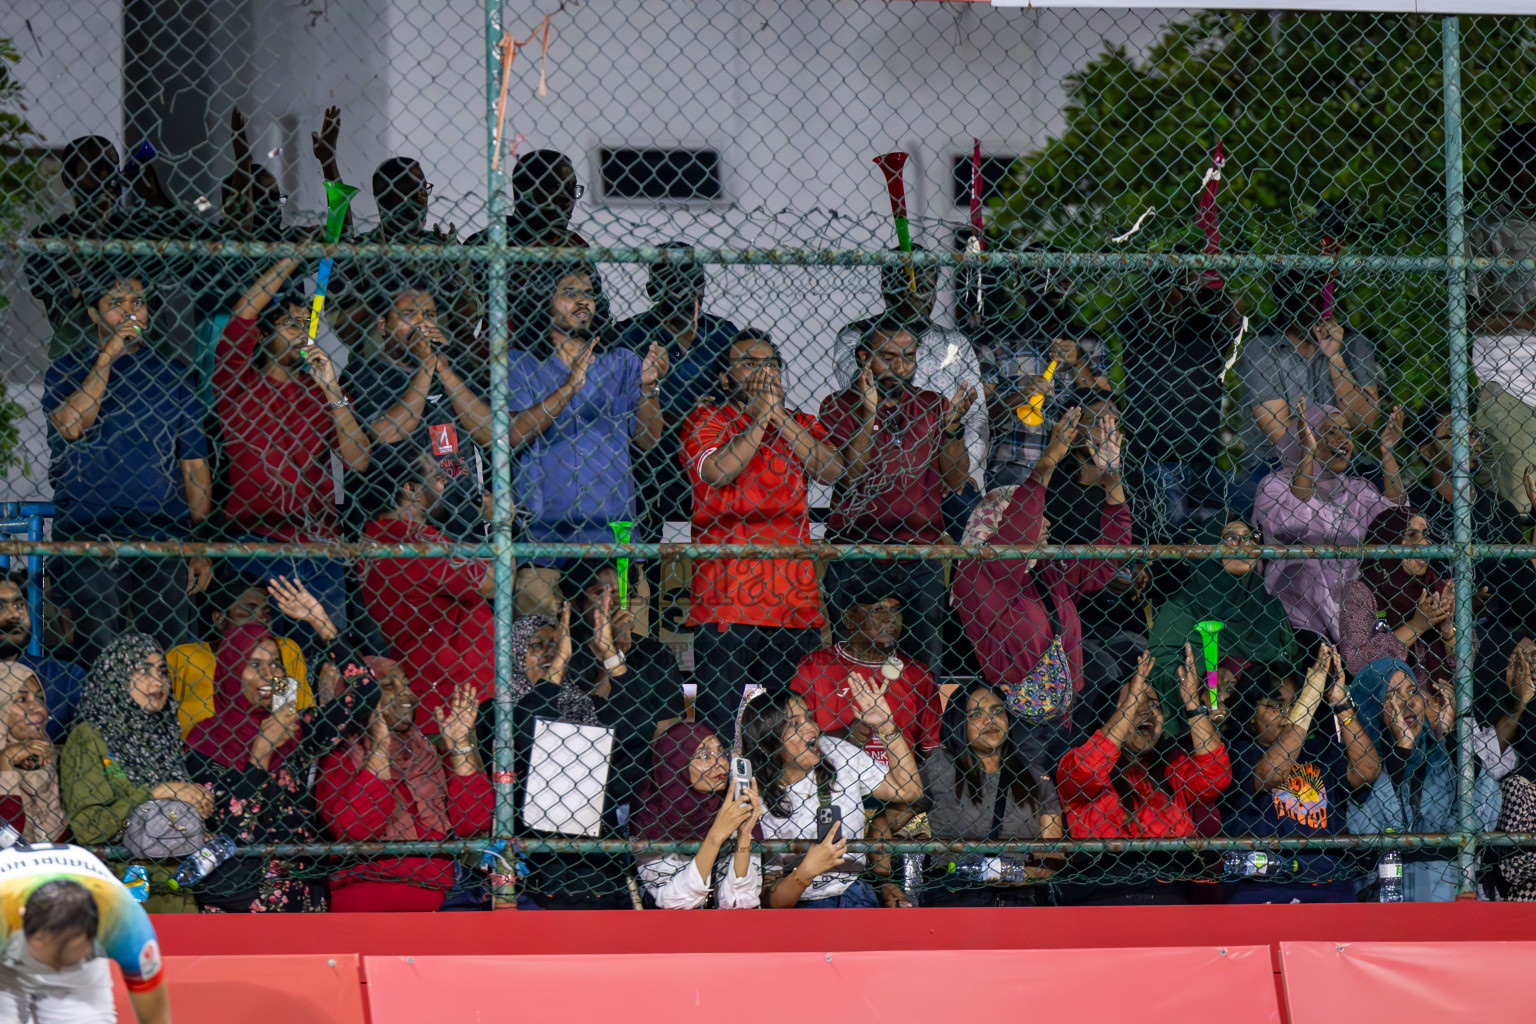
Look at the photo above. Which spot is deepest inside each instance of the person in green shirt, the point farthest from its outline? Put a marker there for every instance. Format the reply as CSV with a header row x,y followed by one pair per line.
x,y
125,748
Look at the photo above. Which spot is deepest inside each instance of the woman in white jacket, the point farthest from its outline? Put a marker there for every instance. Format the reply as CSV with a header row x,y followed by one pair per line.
x,y
686,799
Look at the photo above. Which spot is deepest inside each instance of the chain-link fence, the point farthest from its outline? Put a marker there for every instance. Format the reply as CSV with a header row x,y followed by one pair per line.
x,y
768,454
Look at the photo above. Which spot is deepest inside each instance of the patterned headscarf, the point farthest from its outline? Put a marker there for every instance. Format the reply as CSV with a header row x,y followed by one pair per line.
x,y
574,703
145,744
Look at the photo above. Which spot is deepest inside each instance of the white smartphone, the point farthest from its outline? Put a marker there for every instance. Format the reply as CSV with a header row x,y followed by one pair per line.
x,y
741,777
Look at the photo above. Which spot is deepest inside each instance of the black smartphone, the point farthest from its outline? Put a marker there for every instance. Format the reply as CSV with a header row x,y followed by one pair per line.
x,y
826,819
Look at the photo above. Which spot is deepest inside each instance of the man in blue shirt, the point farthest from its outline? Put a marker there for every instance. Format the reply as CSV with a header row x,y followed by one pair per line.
x,y
694,341
129,461
575,413
61,680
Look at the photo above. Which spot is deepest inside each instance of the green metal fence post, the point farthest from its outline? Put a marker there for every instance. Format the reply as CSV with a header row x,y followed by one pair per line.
x,y
501,458
1456,316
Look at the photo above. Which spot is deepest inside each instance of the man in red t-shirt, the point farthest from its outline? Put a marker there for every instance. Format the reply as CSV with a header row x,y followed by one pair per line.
x,y
871,627
282,416
748,460
435,613
896,494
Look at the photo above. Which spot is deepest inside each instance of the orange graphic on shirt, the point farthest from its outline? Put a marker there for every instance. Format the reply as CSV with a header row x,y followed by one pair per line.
x,y
1304,799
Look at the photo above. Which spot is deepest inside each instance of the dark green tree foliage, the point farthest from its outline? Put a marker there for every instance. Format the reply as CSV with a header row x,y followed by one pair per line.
x,y
1332,123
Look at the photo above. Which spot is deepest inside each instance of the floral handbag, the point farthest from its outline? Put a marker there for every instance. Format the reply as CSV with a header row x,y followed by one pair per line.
x,y
1045,694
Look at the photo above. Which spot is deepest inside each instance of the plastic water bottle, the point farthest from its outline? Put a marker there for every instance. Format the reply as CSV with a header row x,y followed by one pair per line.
x,y
9,837
136,879
1245,864
201,864
1389,877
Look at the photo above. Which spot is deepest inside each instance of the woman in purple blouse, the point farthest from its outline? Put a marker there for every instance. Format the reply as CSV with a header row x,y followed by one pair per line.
x,y
1312,501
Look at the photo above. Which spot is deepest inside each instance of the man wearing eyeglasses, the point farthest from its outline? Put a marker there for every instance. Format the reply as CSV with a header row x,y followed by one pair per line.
x,y
401,192
290,435
750,459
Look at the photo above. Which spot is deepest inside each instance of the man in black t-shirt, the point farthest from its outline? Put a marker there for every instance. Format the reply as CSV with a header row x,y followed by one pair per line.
x,y
412,392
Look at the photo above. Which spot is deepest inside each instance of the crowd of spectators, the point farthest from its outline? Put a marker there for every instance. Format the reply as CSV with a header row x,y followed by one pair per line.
x,y
303,700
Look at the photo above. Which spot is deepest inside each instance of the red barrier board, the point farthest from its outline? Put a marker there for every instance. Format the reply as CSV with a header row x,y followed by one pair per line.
x,y
259,990
690,931
1407,982
1188,985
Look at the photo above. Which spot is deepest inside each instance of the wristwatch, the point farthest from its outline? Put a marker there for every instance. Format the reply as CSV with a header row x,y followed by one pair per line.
x,y
613,661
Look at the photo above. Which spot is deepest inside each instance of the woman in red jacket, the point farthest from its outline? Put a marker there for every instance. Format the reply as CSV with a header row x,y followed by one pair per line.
x,y
390,785
1130,779
1021,615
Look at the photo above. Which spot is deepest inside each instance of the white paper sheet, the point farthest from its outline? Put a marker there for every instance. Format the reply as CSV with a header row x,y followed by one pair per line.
x,y
567,776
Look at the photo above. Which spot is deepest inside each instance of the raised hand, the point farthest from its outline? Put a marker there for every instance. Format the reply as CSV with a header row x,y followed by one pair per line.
x,y
456,721
578,375
1394,711
1107,443
443,235
869,391
123,335
1392,430
324,141
965,397
1304,435
1066,431
294,600
1338,692
199,575
321,368
1328,333
1442,703
238,138
654,366
734,815
562,656
1529,481
1189,679
1518,676
870,701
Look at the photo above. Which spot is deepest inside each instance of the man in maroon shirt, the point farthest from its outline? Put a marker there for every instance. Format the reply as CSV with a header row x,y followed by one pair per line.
x,y
894,493
289,434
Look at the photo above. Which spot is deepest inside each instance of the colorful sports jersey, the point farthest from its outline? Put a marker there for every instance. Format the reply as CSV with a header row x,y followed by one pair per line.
x,y
822,679
125,933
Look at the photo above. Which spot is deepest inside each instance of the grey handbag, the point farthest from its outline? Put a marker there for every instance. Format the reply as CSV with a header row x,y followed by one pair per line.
x,y
159,829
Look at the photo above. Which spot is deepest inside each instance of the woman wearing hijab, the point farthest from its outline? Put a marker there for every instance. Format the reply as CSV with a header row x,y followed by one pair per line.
x,y
257,753
1229,590
125,748
686,800
581,691
1399,608
388,783
1130,778
29,769
1313,501
1020,614
986,785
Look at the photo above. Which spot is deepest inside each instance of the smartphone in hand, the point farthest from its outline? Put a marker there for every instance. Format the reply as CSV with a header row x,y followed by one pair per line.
x,y
827,818
741,777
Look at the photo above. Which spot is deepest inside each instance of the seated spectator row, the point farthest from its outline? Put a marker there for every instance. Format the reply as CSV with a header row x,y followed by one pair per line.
x,y
323,701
